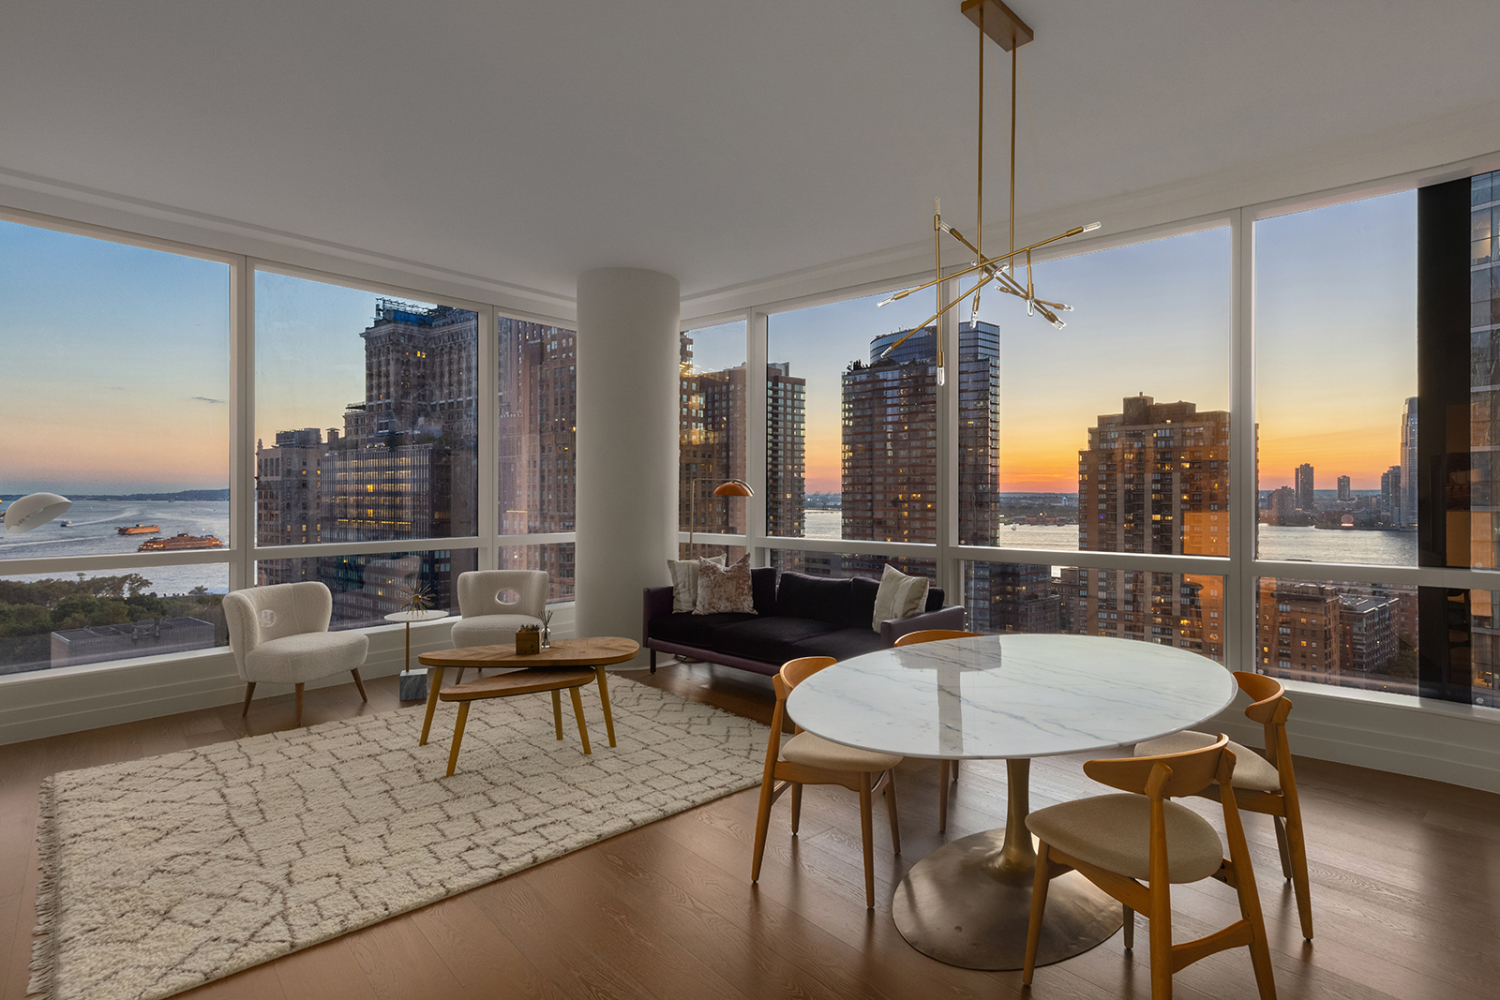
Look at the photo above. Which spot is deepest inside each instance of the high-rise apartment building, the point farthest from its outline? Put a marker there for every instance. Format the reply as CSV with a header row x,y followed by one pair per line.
x,y
890,467
1484,435
1344,492
786,418
538,427
1297,631
1281,503
1154,478
1304,480
1391,494
289,500
1409,462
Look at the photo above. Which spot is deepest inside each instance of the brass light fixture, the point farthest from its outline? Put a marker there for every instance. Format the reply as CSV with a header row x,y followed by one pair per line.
x,y
1001,24
732,488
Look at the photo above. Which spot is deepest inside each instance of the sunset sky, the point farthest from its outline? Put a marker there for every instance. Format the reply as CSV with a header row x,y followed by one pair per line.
x,y
116,373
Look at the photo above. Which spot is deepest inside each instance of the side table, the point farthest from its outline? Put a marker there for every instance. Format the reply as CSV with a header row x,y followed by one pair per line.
x,y
416,691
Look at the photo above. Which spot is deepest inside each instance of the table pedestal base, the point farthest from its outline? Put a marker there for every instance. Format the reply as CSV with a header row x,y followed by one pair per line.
x,y
960,906
968,903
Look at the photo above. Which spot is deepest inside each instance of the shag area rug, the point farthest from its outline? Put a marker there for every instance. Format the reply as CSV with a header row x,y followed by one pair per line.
x,y
164,873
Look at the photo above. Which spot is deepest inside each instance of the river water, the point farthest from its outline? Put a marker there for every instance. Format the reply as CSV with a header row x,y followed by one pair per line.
x,y
1370,548
92,533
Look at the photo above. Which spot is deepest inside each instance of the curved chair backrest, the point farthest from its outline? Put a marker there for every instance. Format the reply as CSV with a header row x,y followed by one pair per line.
x,y
1167,775
794,672
479,592
261,614
934,635
1266,693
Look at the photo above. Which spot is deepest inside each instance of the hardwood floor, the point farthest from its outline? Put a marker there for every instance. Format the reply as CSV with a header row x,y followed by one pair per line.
x,y
1405,873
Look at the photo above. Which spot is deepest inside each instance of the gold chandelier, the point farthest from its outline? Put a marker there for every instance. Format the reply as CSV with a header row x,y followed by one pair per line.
x,y
1000,23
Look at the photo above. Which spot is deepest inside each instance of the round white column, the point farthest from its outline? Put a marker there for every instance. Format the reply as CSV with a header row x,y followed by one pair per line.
x,y
628,389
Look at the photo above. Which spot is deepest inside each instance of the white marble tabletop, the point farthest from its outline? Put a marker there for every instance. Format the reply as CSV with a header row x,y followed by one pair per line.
x,y
1011,696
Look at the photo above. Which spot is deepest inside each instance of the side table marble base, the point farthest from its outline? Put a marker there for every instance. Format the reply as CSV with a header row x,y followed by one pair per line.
x,y
969,902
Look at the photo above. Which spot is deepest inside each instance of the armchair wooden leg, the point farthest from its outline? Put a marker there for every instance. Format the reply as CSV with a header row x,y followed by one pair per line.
x,y
867,835
955,771
299,705
557,711
458,736
249,692
1129,929
653,663
583,732
890,807
1038,908
360,683
942,796
434,681
796,808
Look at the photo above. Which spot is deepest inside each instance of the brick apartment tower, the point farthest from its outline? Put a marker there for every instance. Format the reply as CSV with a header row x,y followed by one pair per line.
x,y
1154,478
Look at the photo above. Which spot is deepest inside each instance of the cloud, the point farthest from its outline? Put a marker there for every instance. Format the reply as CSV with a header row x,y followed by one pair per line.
x,y
205,399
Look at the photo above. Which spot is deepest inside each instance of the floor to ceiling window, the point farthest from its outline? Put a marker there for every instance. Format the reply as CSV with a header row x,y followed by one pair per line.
x,y
711,436
115,392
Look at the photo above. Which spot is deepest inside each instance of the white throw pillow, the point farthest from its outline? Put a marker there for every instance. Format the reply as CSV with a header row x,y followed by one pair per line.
x,y
900,596
685,582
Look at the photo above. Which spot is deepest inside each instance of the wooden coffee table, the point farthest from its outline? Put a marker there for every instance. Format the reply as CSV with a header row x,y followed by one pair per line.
x,y
555,668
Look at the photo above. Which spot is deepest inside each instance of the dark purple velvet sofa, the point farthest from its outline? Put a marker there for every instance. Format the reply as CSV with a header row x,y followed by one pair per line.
x,y
805,616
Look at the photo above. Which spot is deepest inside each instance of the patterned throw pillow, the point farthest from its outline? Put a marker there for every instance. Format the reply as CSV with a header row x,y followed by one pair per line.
x,y
685,582
900,596
724,589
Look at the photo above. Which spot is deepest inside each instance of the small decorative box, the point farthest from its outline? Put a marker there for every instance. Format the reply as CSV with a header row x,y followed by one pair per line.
x,y
528,641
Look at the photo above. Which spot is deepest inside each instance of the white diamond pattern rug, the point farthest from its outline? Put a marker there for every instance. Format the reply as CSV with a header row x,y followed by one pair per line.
x,y
164,873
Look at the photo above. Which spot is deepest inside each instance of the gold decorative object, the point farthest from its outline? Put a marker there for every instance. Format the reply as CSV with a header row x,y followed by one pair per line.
x,y
416,597
1001,24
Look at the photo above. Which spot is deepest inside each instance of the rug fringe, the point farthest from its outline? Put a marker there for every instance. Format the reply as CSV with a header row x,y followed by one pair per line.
x,y
43,952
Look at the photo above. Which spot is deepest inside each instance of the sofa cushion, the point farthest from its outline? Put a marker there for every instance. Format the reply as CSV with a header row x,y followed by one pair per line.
x,y
840,645
688,629
934,599
815,597
763,588
771,640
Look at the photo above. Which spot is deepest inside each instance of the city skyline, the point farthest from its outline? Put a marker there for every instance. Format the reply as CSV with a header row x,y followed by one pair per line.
x,y
131,422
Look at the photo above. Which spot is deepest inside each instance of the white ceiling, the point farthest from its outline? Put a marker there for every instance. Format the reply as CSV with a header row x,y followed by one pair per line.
x,y
526,141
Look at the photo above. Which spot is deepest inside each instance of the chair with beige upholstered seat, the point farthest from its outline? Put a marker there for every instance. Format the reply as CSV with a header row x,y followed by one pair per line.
x,y
490,620
947,769
1262,784
279,635
808,759
1119,842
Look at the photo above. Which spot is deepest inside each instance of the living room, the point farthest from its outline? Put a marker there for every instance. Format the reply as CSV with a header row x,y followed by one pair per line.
x,y
379,301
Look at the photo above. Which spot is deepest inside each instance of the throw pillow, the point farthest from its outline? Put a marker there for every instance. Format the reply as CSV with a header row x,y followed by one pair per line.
x,y
685,582
900,596
723,589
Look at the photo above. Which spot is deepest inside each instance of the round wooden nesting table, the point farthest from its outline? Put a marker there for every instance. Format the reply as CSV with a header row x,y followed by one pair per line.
x,y
560,666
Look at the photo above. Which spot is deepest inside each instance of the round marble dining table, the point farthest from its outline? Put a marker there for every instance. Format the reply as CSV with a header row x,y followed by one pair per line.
x,y
1013,697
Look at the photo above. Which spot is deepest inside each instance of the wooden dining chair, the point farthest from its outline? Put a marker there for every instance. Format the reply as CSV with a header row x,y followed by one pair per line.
x,y
1134,846
808,759
947,769
1261,784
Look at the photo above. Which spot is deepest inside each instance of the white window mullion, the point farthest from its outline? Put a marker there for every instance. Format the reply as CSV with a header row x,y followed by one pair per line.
x,y
488,416
756,348
242,472
1244,492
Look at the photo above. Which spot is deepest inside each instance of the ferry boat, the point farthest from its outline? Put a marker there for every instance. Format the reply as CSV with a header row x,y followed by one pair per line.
x,y
141,529
182,541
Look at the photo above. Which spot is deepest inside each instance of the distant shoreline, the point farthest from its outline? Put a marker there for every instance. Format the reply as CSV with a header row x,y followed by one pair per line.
x,y
199,496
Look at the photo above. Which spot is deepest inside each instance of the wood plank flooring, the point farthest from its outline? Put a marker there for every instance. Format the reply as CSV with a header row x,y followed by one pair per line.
x,y
1406,890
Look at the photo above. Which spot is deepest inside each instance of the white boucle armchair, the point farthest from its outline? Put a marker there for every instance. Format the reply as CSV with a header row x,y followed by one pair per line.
x,y
486,619
279,635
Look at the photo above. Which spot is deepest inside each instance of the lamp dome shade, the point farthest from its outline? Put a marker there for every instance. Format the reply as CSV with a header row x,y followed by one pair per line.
x,y
734,488
34,510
